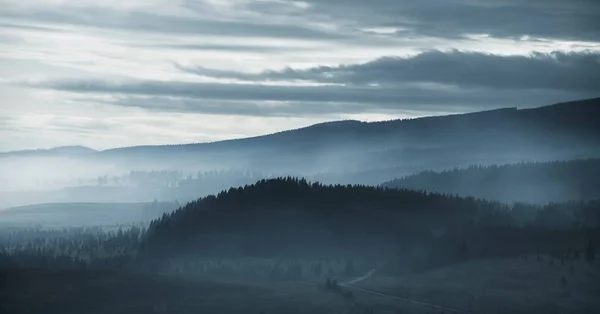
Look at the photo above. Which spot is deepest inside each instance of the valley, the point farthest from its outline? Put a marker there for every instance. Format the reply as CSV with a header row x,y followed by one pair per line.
x,y
491,212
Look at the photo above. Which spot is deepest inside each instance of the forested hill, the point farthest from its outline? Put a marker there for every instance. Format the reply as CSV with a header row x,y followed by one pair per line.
x,y
540,182
368,153
290,217
548,126
570,118
55,151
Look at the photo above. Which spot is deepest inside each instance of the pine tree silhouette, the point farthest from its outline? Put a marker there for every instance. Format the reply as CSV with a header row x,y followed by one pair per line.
x,y
590,253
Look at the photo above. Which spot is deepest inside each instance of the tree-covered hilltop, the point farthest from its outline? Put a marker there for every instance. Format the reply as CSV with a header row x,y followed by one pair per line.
x,y
290,217
302,223
536,182
67,248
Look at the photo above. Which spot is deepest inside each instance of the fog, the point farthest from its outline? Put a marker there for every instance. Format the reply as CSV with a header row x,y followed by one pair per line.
x,y
346,153
298,244
435,214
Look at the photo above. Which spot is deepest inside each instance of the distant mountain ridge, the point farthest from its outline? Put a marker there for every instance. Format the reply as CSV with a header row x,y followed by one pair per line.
x,y
576,116
66,150
581,110
333,128
538,182
562,131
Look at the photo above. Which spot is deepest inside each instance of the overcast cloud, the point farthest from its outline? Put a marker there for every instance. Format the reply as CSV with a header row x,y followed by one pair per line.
x,y
568,71
105,73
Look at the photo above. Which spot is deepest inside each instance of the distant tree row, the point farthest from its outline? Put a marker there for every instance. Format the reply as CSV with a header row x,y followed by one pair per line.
x,y
70,247
535,182
293,219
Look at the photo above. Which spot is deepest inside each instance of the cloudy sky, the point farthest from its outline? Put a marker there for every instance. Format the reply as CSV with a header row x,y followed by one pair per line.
x,y
105,73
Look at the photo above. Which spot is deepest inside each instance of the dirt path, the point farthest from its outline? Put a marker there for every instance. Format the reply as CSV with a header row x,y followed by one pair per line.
x,y
389,296
359,279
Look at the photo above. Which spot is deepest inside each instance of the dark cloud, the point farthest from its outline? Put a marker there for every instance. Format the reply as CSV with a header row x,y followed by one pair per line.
x,y
27,27
553,71
277,100
159,23
449,19
243,107
220,47
5,123
559,19
226,74
443,81
248,92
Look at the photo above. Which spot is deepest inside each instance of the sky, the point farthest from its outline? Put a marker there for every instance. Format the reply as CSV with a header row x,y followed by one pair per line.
x,y
107,73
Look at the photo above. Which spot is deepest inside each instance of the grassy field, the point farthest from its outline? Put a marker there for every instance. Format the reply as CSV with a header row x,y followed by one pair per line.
x,y
503,286
80,292
491,286
58,215
83,292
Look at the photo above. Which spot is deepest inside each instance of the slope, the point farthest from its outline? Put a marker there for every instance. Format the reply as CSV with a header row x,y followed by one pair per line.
x,y
370,153
524,182
288,218
561,131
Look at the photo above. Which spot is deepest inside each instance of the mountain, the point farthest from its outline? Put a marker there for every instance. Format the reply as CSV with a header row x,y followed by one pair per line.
x,y
361,152
560,131
55,151
55,215
539,182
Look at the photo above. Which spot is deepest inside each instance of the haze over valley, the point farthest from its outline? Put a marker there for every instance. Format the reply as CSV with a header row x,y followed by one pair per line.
x,y
344,152
279,156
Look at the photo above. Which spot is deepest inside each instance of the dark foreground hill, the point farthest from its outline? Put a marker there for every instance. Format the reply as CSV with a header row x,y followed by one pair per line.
x,y
291,218
524,182
269,247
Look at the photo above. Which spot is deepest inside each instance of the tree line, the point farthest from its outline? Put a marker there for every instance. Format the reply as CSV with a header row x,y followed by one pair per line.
x,y
294,219
533,182
291,217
